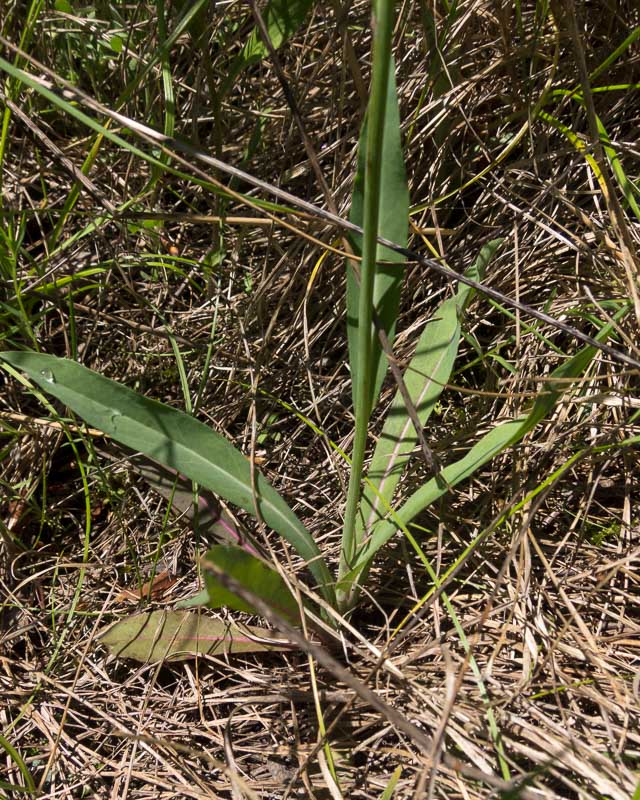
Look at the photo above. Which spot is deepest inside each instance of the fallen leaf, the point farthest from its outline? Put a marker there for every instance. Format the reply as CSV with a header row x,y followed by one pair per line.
x,y
179,635
153,589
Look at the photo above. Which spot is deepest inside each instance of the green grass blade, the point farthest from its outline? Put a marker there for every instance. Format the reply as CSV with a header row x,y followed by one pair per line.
x,y
73,110
627,186
17,759
393,224
629,189
493,443
176,440
390,788
615,55
28,29
425,377
167,78
494,731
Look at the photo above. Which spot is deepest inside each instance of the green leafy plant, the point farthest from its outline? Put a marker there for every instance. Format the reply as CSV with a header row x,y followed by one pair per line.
x,y
178,442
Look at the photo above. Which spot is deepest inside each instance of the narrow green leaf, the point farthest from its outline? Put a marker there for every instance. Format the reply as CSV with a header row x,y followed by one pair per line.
x,y
254,575
390,788
282,19
425,379
496,441
628,187
15,756
175,439
13,787
394,226
179,635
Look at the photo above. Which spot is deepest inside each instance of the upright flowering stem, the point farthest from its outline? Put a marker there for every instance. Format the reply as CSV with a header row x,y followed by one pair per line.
x,y
382,34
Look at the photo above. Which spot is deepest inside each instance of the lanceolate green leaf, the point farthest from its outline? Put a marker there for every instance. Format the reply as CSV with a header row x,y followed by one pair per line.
x,y
176,440
394,226
493,443
254,575
425,379
178,635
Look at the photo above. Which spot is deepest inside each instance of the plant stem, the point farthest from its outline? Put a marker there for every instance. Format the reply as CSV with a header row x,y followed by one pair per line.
x,y
382,34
